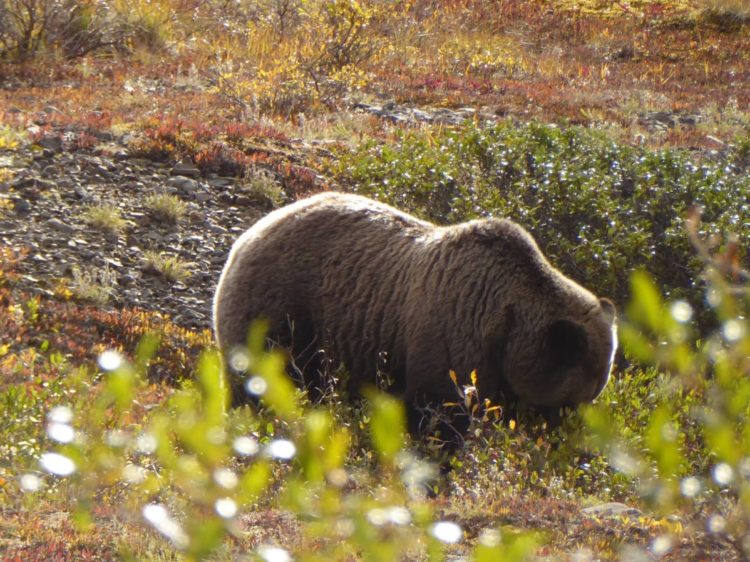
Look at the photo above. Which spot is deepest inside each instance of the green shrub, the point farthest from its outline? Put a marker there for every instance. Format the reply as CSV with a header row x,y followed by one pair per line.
x,y
686,444
599,210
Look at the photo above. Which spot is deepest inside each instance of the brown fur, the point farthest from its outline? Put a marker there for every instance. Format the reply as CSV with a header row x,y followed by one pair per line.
x,y
380,290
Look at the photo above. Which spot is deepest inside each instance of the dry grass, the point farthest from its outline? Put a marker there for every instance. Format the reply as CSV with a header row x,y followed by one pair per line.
x,y
96,285
169,267
166,207
107,218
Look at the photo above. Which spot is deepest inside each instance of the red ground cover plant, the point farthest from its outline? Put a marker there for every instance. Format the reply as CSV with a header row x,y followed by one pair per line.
x,y
79,332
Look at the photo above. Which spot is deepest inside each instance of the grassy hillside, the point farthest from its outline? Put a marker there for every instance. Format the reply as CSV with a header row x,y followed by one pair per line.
x,y
138,139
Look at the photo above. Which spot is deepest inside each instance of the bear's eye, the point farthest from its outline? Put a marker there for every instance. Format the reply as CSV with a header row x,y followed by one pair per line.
x,y
566,343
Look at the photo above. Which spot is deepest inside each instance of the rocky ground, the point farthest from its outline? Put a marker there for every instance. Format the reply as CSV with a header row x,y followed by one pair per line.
x,y
45,211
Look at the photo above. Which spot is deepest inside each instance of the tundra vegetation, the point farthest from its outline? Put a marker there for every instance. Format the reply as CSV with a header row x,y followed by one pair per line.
x,y
617,133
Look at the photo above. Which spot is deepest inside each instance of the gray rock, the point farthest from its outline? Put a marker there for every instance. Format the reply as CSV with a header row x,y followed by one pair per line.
x,y
44,184
420,115
50,171
81,193
22,181
60,226
21,205
186,168
612,509
52,143
184,184
221,182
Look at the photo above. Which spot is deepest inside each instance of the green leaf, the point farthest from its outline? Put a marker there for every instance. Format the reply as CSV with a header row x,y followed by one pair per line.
x,y
505,545
280,394
663,441
253,482
205,535
646,305
120,387
387,425
146,350
213,387
635,343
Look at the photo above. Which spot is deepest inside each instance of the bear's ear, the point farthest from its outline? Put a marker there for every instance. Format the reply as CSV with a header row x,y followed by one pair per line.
x,y
609,312
567,343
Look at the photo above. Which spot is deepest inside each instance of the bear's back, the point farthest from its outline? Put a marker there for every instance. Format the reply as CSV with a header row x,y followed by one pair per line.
x,y
327,256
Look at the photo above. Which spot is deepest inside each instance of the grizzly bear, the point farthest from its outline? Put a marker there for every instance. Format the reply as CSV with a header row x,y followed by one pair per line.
x,y
342,277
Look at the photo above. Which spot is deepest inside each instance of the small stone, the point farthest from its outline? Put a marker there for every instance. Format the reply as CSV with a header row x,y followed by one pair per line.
x,y
219,181
612,509
81,193
21,205
186,168
50,171
202,196
105,136
55,144
187,185
44,184
398,118
60,226
21,182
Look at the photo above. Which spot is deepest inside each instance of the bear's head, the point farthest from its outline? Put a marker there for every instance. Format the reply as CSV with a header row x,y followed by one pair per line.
x,y
562,356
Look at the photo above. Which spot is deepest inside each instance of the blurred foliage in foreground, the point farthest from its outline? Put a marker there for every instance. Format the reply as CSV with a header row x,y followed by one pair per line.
x,y
190,467
687,442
